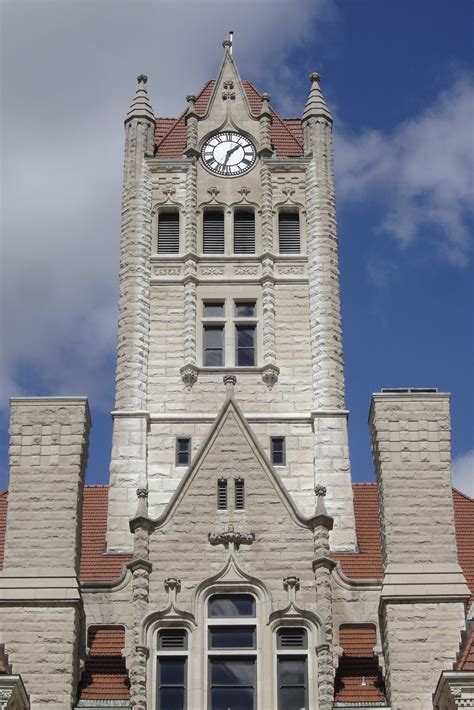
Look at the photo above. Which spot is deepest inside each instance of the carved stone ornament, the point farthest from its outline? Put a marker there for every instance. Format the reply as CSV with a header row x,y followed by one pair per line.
x,y
189,375
229,380
169,191
288,191
270,375
244,191
231,537
142,492
213,191
228,92
320,490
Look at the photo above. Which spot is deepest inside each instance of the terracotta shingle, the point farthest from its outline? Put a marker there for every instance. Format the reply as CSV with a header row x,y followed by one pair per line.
x,y
358,676
466,660
105,675
464,521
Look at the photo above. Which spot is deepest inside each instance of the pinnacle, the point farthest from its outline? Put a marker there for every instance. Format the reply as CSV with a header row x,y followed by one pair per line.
x,y
316,105
141,106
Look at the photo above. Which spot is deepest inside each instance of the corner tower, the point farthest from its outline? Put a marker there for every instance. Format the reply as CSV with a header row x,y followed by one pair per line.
x,y
229,267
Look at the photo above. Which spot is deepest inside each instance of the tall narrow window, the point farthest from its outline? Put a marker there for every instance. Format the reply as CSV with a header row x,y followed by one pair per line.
x,y
183,451
232,647
289,233
171,669
168,232
239,493
222,494
244,232
277,449
213,232
245,345
292,669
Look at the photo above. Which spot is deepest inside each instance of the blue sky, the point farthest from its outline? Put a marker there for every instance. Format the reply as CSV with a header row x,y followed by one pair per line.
x,y
398,76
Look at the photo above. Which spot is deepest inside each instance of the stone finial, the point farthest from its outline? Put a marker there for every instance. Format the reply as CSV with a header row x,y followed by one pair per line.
x,y
227,44
141,106
265,103
190,98
321,516
230,381
316,106
142,508
320,490
173,587
291,584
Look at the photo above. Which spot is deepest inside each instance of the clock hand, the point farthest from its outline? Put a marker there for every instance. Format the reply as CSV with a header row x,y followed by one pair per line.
x,y
228,154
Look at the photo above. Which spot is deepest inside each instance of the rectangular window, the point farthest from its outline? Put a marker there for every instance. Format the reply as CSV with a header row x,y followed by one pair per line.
x,y
232,683
171,683
213,232
213,346
244,232
168,232
292,683
277,447
245,345
289,233
239,493
213,309
183,451
245,309
231,637
222,494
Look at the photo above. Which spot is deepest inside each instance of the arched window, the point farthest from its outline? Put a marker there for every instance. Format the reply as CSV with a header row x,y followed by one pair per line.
x,y
232,652
213,232
289,240
244,231
168,232
171,669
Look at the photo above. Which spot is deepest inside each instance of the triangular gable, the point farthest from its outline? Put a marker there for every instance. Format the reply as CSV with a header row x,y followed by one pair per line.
x,y
229,72
231,409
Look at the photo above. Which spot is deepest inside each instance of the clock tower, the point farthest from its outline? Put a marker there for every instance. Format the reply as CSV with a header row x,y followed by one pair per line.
x,y
229,271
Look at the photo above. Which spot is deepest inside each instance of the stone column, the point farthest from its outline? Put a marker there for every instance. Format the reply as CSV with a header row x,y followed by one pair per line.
x,y
423,593
128,462
332,464
321,524
141,527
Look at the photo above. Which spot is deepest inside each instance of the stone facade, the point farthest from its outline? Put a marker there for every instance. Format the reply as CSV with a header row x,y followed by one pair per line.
x,y
230,520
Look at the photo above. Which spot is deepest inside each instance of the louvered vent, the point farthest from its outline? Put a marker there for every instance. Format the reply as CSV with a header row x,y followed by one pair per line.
x,y
289,232
239,494
291,638
213,232
172,639
244,232
222,494
168,233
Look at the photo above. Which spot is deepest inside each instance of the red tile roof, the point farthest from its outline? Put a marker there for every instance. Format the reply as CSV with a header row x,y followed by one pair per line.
x,y
170,133
95,565
5,666
358,676
367,564
105,675
465,660
464,522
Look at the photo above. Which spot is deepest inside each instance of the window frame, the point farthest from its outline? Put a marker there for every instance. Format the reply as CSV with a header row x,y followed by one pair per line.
x,y
272,450
247,322
228,323
172,654
167,209
177,451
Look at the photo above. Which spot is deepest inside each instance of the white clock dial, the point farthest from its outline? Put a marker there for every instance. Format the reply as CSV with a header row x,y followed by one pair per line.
x,y
228,154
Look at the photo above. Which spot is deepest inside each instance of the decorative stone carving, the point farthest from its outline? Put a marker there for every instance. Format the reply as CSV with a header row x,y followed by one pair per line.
x,y
190,310
213,191
245,270
270,375
230,381
231,538
169,191
320,490
291,584
244,191
189,375
228,93
190,238
212,271
288,191
290,270
167,271
173,587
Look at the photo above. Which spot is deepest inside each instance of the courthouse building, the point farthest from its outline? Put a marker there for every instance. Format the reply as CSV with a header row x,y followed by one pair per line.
x,y
231,563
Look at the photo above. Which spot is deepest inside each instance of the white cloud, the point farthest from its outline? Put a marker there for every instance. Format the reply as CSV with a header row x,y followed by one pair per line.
x,y
463,473
69,73
421,174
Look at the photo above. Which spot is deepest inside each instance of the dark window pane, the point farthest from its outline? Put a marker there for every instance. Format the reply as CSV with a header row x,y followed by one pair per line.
x,y
245,309
171,699
246,358
213,358
245,337
213,232
213,346
232,605
289,232
232,637
214,310
183,451
171,671
213,338
232,699
245,346
293,699
233,671
278,450
291,671
239,494
222,494
168,233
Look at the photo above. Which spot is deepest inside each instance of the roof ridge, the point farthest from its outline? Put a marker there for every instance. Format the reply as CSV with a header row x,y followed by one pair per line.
x,y
464,495
181,116
274,112
96,485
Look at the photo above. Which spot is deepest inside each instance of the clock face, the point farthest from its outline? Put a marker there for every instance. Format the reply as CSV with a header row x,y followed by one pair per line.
x,y
228,154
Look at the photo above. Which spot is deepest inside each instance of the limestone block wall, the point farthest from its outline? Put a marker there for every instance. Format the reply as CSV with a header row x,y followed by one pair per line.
x,y
420,640
48,453
43,644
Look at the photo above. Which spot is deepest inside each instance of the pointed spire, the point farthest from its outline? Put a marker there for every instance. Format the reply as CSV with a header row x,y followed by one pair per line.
x,y
141,106
316,105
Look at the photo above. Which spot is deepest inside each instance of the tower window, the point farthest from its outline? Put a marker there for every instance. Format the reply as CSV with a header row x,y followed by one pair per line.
x,y
245,345
213,232
277,449
289,233
213,345
168,232
239,494
222,494
183,451
244,232
172,669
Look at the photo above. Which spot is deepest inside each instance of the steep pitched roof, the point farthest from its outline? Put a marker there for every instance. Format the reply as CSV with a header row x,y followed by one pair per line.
x,y
466,661
170,133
